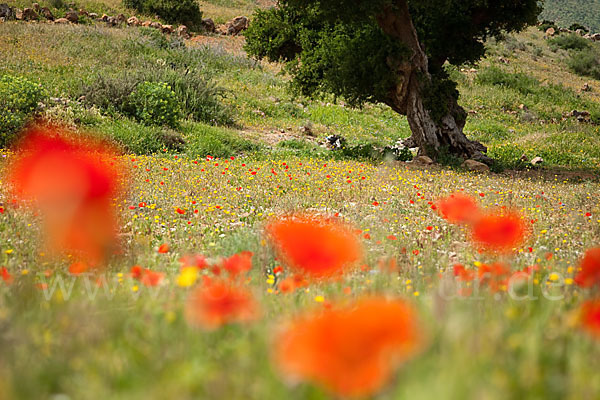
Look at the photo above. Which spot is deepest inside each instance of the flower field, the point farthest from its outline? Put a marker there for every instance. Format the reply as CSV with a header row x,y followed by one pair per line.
x,y
256,277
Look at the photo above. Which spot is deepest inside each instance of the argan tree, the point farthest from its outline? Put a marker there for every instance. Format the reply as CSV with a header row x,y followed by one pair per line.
x,y
389,51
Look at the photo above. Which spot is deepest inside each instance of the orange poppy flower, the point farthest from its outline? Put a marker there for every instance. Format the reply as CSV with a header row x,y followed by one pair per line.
x,y
316,246
146,276
218,303
499,232
78,268
590,317
463,274
590,269
6,276
494,275
74,185
164,248
458,208
351,350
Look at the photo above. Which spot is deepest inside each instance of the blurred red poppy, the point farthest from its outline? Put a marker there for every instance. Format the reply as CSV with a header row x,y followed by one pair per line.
x,y
219,302
590,269
164,248
6,276
146,276
351,350
316,246
499,232
590,317
193,260
458,208
238,264
74,184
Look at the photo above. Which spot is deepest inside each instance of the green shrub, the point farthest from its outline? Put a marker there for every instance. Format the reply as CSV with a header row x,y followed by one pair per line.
x,y
19,98
585,62
545,25
576,26
155,104
568,42
110,93
496,77
173,11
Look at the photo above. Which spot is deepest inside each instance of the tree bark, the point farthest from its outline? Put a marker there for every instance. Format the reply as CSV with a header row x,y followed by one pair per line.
x,y
429,135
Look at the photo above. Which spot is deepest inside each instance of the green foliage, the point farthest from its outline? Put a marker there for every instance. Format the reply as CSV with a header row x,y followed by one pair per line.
x,y
585,62
518,81
137,138
203,140
545,25
19,98
568,12
577,26
569,42
185,12
155,104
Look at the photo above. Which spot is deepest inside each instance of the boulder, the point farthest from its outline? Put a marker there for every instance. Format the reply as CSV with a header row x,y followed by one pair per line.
x,y
156,25
182,32
104,18
72,16
596,37
236,25
146,24
537,161
550,32
47,14
83,13
112,21
586,87
36,7
208,25
18,14
472,165
93,15
6,11
121,18
167,29
133,21
29,14
2,19
580,32
62,21
422,160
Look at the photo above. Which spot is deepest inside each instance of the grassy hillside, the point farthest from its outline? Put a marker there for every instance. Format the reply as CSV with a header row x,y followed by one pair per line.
x,y
567,12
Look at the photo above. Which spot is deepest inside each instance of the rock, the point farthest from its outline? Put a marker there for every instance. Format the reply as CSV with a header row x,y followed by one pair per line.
x,y
586,87
550,32
563,30
83,13
208,25
422,160
596,37
537,160
307,130
156,25
47,14
335,142
582,116
18,14
472,165
121,18
146,24
236,25
5,11
112,21
104,18
93,15
580,32
72,16
167,29
182,32
62,21
36,7
133,21
29,14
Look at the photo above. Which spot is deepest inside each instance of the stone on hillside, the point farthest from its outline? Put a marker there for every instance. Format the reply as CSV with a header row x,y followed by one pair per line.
x,y
586,87
121,18
83,13
104,18
133,21
29,14
472,165
6,11
18,14
72,16
36,7
146,24
208,25
537,160
62,21
182,32
47,14
550,32
112,21
580,32
422,160
93,15
236,25
167,29
596,37
156,25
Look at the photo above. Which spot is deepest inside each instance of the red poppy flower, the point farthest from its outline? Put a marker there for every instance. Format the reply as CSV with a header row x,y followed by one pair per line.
x,y
494,275
164,248
146,276
590,317
313,245
78,268
590,269
193,260
458,208
74,185
6,276
219,303
499,232
238,264
352,350
463,274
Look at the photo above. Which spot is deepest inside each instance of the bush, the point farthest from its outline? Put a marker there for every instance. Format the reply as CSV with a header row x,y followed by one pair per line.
x,y
185,12
545,25
576,26
19,98
495,76
155,104
585,62
568,42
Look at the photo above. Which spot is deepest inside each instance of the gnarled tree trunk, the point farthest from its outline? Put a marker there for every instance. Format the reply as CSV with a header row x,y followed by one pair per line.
x,y
408,96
